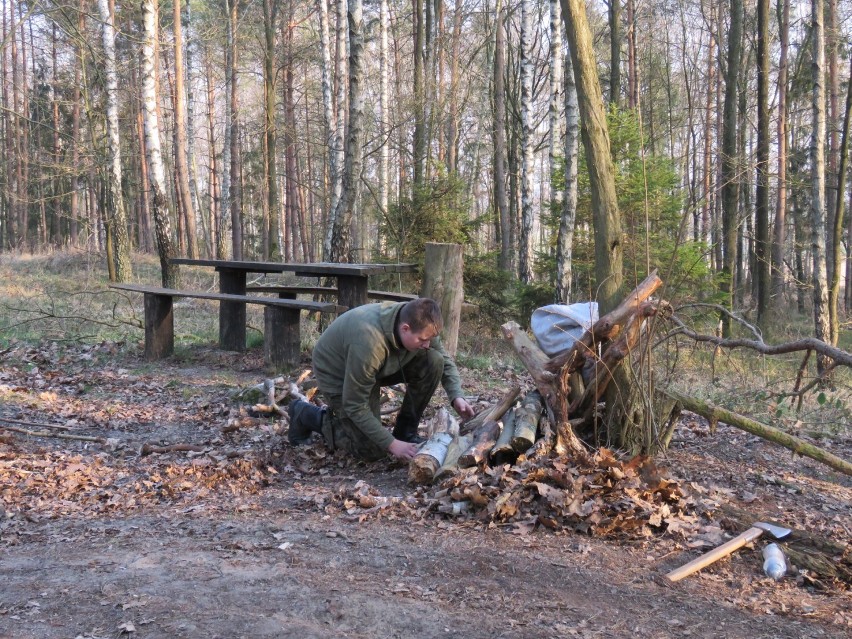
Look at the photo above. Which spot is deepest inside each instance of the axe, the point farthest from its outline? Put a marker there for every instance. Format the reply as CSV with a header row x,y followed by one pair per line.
x,y
756,530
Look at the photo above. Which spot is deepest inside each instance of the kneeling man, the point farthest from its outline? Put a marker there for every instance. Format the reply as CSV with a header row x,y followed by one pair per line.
x,y
364,349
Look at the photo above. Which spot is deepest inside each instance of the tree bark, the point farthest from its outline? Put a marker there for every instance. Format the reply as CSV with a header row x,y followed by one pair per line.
x,y
565,240
273,227
159,202
761,212
181,165
779,228
118,216
501,199
443,282
526,248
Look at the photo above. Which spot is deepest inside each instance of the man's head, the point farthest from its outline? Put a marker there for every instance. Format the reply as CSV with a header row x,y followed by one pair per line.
x,y
420,321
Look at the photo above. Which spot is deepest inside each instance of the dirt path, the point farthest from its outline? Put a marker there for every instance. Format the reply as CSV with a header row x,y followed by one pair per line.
x,y
97,542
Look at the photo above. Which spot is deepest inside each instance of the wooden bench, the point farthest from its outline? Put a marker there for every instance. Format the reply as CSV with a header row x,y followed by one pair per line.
x,y
290,292
282,340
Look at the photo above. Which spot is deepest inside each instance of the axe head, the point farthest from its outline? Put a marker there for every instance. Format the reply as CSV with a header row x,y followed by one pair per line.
x,y
776,531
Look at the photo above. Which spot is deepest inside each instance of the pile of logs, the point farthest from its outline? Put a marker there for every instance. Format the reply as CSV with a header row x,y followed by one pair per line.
x,y
505,432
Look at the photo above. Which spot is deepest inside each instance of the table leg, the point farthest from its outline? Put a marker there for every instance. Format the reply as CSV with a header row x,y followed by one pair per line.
x,y
232,315
159,326
281,338
352,290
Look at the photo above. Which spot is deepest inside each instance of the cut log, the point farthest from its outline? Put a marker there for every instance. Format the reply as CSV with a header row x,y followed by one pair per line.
x,y
544,444
800,446
503,453
493,413
451,461
527,417
483,441
424,465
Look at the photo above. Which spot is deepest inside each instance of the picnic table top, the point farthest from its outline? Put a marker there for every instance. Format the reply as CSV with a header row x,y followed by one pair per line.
x,y
302,268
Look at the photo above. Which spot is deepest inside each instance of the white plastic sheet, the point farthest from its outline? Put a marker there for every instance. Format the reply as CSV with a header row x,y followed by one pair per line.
x,y
558,326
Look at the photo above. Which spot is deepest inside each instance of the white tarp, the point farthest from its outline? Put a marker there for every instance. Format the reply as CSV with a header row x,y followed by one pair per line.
x,y
558,326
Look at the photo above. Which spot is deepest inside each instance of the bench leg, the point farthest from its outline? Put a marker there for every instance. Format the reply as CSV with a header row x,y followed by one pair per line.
x,y
159,326
232,315
281,338
352,290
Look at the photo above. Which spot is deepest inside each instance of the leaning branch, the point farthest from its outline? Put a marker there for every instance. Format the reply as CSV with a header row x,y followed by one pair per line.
x,y
717,414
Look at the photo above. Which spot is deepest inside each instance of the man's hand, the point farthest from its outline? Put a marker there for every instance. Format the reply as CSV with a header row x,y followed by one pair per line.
x,y
464,409
402,450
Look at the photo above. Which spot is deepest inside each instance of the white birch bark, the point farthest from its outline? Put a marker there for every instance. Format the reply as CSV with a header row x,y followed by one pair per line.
x,y
527,214
157,177
556,89
383,106
339,141
820,276
565,239
118,222
340,245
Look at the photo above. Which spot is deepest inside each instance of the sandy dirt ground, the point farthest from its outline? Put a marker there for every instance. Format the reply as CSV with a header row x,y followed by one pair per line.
x,y
248,537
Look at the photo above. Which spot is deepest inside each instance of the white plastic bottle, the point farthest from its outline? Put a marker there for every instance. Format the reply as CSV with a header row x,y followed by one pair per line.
x,y
774,564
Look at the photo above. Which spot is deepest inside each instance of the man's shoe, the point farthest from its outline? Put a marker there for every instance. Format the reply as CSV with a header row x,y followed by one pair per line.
x,y
408,436
305,418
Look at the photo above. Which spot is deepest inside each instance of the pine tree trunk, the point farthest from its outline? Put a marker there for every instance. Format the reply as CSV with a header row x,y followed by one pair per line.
x,y
779,229
118,219
272,228
499,135
419,97
235,196
181,165
762,246
614,51
729,163
159,202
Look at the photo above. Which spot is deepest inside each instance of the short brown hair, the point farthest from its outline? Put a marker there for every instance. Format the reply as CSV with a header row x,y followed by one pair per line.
x,y
422,313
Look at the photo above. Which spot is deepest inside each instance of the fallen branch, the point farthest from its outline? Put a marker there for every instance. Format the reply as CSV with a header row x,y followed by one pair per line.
x,y
148,449
714,413
47,433
36,424
494,412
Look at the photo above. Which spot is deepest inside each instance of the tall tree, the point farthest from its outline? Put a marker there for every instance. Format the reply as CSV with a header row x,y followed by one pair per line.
x,y
273,226
501,199
817,209
557,185
761,211
118,217
615,43
837,231
181,154
384,100
526,252
419,95
730,190
780,223
565,239
159,201
354,161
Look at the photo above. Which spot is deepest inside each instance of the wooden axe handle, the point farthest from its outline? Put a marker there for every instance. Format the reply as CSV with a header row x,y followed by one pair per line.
x,y
714,555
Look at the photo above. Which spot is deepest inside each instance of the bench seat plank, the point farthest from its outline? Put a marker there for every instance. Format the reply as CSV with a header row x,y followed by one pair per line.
x,y
281,344
292,291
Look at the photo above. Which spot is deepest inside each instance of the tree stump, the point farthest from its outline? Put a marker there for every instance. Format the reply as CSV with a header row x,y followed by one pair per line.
x,y
442,281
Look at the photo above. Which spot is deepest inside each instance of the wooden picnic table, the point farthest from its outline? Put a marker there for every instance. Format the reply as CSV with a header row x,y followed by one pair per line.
x,y
352,286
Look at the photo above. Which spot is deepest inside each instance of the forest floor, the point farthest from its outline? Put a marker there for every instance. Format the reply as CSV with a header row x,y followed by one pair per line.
x,y
249,537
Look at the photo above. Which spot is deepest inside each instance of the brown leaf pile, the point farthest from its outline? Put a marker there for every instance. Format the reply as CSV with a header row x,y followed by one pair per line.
x,y
54,484
610,498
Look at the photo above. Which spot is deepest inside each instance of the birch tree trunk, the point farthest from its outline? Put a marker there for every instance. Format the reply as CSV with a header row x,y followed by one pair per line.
x,y
565,239
383,107
235,197
817,152
525,262
501,199
190,126
157,177
340,245
118,219
338,143
557,189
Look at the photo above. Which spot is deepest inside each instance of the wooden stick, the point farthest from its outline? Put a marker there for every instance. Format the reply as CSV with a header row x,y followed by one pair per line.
x,y
36,424
494,413
147,449
45,433
483,441
534,360
714,413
